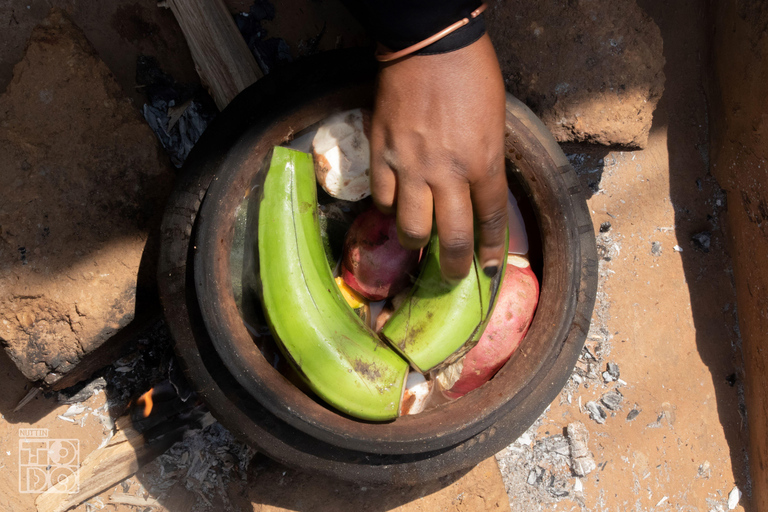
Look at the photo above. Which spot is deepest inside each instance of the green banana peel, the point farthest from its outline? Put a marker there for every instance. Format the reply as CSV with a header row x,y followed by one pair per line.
x,y
339,357
439,322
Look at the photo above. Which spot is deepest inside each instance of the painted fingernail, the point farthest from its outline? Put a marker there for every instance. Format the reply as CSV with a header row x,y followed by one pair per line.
x,y
491,268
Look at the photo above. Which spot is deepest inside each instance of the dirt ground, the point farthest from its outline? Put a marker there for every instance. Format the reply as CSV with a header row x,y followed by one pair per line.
x,y
666,315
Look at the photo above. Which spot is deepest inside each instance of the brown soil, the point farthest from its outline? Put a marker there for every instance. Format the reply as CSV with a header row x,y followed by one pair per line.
x,y
591,70
739,153
84,176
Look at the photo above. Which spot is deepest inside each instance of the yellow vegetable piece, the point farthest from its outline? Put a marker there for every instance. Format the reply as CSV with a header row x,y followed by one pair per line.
x,y
354,299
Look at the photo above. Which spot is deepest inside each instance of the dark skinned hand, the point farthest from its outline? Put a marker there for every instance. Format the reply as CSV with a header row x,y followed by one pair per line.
x,y
437,142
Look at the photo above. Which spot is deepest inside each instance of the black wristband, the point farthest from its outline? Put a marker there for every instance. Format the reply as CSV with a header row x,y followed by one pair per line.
x,y
458,39
398,24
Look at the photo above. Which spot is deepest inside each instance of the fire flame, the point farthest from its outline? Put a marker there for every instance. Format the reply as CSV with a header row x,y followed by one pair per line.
x,y
146,399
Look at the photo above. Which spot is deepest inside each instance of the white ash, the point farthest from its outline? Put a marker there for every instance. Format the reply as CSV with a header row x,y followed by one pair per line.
x,y
537,473
205,461
74,410
581,461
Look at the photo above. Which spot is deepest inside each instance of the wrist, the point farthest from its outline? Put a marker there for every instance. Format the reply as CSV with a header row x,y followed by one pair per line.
x,y
455,36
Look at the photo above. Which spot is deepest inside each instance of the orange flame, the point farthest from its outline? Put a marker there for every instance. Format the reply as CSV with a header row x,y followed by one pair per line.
x,y
146,399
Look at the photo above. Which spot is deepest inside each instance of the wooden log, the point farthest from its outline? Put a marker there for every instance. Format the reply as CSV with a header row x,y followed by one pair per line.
x,y
225,64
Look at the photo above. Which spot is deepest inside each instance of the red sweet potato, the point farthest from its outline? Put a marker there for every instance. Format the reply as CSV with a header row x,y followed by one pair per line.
x,y
509,323
374,263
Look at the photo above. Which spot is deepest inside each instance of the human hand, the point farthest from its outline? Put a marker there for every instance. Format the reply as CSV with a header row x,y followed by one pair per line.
x,y
437,137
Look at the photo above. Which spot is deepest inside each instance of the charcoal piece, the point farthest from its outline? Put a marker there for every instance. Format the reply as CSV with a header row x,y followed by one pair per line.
x,y
596,412
177,113
271,53
605,227
613,370
536,476
81,392
702,241
612,400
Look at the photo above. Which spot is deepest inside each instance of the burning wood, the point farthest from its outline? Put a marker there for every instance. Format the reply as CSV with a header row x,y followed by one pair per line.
x,y
146,400
154,422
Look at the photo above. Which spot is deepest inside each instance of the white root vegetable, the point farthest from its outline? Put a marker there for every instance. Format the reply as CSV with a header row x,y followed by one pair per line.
x,y
518,237
342,155
415,395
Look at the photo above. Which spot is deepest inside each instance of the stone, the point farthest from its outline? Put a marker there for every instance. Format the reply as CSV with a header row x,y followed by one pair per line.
x,y
592,70
83,180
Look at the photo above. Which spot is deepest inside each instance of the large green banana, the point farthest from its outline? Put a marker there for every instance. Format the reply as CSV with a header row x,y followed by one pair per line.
x,y
342,360
439,322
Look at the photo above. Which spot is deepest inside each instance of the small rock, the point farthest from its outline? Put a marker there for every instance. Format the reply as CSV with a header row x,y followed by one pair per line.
x,y
613,369
596,412
702,241
605,227
632,414
612,400
733,498
656,248
677,248
578,486
607,377
704,470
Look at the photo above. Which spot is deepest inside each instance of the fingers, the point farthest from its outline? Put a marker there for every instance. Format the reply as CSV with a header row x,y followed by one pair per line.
x,y
414,213
489,199
383,187
383,180
453,216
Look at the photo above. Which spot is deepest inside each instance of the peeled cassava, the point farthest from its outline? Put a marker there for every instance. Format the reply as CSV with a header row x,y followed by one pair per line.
x,y
509,323
375,264
342,155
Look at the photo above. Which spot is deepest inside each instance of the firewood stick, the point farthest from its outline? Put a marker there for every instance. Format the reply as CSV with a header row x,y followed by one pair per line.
x,y
225,64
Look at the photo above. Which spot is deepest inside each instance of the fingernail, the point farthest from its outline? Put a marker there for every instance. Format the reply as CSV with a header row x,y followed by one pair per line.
x,y
491,268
